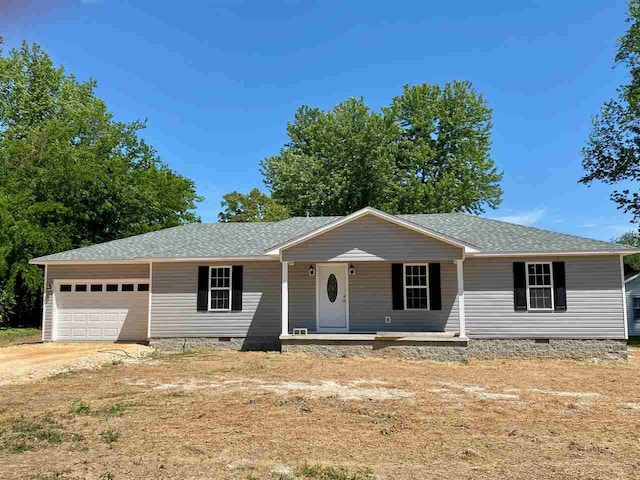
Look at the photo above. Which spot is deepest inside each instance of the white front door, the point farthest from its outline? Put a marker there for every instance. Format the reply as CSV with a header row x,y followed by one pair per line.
x,y
332,297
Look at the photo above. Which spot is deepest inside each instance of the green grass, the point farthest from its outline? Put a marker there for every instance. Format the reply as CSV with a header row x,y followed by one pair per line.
x,y
21,435
58,475
12,336
80,408
634,341
318,472
109,436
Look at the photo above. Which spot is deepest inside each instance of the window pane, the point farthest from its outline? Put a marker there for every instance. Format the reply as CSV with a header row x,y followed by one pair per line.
x,y
127,287
96,287
65,288
112,287
220,277
539,274
416,298
540,298
143,287
219,299
81,288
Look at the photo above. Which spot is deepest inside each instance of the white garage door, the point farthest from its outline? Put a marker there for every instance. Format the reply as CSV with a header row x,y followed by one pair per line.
x,y
101,310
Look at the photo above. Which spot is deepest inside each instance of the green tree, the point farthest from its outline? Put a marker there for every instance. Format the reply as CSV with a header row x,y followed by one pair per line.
x,y
632,238
70,175
443,161
336,162
253,207
612,153
426,152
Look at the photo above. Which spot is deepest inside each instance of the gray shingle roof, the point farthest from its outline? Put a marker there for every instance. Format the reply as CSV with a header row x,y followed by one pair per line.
x,y
255,239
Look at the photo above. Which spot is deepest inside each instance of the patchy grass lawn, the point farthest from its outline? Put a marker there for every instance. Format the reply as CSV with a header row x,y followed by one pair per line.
x,y
15,336
265,416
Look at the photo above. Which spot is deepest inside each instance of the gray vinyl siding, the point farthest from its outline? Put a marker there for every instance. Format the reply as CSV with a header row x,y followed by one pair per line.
x,y
594,300
88,272
633,290
371,238
370,301
174,308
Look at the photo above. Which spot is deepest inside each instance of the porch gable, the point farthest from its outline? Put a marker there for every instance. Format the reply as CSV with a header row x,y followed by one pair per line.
x,y
371,238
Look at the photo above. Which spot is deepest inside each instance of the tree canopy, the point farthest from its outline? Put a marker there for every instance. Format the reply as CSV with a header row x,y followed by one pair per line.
x,y
253,207
70,175
612,153
631,262
427,152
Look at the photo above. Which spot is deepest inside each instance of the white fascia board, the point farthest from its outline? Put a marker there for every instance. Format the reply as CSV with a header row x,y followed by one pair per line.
x,y
35,261
372,211
154,259
557,253
632,277
254,258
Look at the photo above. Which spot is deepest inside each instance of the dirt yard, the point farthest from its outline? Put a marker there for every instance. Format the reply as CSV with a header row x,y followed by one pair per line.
x,y
265,415
25,363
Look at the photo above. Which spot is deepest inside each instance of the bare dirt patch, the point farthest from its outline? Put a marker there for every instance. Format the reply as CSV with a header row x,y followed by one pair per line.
x,y
354,390
259,415
26,363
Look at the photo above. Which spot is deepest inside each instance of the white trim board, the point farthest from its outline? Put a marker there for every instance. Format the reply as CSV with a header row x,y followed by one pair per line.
x,y
624,299
632,277
138,260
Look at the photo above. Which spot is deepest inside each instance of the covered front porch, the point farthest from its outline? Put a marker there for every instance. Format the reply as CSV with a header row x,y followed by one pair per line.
x,y
373,301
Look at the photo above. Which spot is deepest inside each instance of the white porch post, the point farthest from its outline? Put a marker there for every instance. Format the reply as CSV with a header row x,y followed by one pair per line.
x,y
624,299
460,275
285,298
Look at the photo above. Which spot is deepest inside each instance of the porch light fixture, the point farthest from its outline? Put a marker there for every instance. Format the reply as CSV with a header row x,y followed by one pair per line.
x,y
352,270
312,271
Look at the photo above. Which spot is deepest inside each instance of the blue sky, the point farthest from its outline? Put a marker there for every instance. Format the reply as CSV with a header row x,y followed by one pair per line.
x,y
219,80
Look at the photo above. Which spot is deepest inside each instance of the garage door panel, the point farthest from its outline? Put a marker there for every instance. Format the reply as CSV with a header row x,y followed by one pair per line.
x,y
115,317
101,316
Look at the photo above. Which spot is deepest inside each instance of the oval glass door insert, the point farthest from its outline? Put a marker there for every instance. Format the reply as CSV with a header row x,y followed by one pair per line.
x,y
332,288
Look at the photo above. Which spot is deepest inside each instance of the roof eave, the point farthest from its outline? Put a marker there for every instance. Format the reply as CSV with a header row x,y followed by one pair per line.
x,y
115,261
554,252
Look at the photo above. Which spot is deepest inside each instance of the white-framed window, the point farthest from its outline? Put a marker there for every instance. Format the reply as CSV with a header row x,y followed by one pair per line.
x,y
540,286
416,286
220,289
636,309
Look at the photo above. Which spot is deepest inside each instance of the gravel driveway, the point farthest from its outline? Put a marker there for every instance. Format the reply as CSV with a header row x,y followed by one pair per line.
x,y
26,363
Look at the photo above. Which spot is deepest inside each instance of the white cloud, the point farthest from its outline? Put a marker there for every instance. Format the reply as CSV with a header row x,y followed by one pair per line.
x,y
528,217
587,225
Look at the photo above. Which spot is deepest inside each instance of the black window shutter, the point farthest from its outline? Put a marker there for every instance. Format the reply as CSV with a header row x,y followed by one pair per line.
x,y
236,287
519,286
435,297
559,286
203,289
397,288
